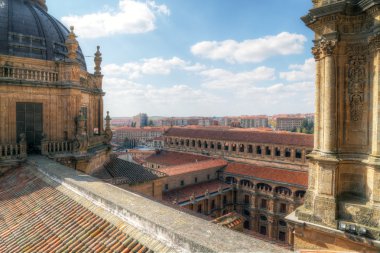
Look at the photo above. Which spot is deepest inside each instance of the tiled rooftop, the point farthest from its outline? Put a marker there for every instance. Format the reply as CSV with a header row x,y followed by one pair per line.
x,y
199,190
281,138
154,225
170,158
279,175
36,217
118,171
193,167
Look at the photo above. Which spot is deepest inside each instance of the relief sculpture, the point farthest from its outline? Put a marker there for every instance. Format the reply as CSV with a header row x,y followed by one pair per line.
x,y
356,81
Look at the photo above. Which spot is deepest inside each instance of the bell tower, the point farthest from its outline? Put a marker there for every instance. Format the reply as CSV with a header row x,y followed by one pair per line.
x,y
342,205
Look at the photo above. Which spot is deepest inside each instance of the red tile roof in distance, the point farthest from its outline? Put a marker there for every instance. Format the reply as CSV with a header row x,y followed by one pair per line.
x,y
193,167
171,158
36,217
254,136
279,175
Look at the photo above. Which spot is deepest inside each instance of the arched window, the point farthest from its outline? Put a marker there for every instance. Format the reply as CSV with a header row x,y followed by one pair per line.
x,y
283,190
212,146
300,194
264,187
268,151
282,223
193,143
234,147
246,183
205,144
258,150
263,218
288,153
199,144
277,151
242,148
187,143
250,149
298,153
219,146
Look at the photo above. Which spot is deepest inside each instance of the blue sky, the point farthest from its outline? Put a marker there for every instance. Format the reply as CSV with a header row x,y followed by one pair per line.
x,y
197,57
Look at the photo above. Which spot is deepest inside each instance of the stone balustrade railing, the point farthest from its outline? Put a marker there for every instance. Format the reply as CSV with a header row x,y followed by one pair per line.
x,y
12,151
56,147
28,74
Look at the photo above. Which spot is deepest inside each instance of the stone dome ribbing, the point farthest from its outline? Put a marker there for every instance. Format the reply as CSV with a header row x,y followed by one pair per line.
x,y
27,30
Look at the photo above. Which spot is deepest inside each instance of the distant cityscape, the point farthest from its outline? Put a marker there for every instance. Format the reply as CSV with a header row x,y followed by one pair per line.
x,y
284,122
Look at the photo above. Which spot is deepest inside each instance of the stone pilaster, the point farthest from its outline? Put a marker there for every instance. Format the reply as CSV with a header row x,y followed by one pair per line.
x,y
329,102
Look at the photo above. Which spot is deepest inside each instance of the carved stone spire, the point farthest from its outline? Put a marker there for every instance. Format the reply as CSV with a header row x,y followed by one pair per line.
x,y
72,44
98,61
108,132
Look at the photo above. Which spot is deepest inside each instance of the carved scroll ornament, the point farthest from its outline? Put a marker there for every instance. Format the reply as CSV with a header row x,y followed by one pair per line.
x,y
356,81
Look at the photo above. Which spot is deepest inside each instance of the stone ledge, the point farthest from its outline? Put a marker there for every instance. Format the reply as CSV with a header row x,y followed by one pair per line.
x,y
174,228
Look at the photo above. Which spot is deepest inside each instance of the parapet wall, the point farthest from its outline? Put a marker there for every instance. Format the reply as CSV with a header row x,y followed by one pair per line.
x,y
182,231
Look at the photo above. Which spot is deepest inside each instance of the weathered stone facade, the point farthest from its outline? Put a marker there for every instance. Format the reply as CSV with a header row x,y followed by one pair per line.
x,y
49,103
344,166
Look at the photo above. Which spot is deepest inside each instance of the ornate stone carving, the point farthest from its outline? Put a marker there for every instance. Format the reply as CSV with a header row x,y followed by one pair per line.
x,y
327,47
81,138
72,44
98,61
357,57
323,48
108,131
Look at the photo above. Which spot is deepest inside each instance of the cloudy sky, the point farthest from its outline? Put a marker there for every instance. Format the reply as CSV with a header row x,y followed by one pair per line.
x,y
197,57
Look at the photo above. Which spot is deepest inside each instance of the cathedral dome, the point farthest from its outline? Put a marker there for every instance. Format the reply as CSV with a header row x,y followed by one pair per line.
x,y
27,30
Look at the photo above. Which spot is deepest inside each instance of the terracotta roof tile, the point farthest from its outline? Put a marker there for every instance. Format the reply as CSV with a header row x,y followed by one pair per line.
x,y
35,217
183,194
118,171
170,158
267,173
254,136
192,167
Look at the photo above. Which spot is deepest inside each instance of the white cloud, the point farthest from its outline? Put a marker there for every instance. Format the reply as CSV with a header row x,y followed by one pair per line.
x,y
131,17
223,79
302,72
251,51
151,66
125,97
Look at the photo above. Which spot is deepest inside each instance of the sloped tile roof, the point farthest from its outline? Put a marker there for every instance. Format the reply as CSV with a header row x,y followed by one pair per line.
x,y
267,173
199,190
118,171
36,217
254,136
171,158
192,167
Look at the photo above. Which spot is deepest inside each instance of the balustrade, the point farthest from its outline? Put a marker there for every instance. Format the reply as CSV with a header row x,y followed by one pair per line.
x,y
56,147
12,151
28,74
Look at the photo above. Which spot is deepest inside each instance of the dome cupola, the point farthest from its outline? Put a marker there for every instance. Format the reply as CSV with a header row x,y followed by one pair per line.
x,y
27,30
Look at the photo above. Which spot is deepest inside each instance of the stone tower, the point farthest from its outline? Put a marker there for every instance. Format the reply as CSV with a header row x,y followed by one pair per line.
x,y
342,206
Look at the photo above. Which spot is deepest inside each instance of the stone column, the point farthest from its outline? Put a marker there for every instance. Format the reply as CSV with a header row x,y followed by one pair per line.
x,y
270,227
329,102
317,56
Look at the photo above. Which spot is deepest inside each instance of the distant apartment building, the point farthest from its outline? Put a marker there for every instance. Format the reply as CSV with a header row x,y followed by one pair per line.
x,y
169,122
119,122
254,121
133,137
140,120
231,121
289,123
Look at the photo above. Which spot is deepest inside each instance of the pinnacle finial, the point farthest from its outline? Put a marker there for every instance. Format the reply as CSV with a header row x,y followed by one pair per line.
x,y
72,44
98,61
